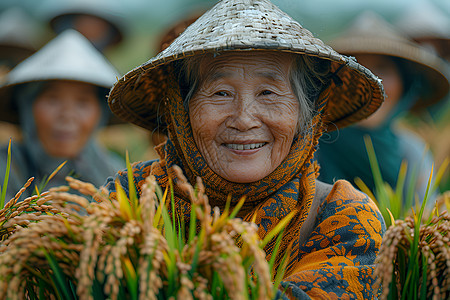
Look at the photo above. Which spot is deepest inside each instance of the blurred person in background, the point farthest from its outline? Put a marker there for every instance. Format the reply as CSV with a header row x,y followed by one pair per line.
x,y
100,21
429,25
159,134
58,98
18,38
413,79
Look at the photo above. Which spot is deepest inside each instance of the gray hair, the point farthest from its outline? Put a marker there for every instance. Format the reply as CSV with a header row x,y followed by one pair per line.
x,y
308,77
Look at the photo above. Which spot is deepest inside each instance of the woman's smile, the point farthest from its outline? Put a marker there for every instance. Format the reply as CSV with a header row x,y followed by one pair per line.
x,y
244,147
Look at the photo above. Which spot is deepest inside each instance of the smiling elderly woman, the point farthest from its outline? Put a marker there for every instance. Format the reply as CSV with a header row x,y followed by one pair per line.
x,y
244,94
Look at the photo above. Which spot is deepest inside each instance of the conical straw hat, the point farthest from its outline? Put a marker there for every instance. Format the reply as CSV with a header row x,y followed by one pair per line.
x,y
370,34
18,36
235,25
16,29
107,10
428,24
69,56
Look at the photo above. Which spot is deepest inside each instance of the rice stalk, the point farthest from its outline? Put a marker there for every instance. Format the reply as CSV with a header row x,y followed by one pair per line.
x,y
432,257
128,248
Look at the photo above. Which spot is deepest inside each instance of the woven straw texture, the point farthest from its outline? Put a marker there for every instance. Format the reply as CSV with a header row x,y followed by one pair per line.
x,y
369,34
236,25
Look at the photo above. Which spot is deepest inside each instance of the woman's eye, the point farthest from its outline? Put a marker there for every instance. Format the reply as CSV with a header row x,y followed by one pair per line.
x,y
222,94
266,92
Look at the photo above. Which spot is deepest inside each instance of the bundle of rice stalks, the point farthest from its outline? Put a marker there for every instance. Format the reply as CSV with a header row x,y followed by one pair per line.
x,y
127,248
414,259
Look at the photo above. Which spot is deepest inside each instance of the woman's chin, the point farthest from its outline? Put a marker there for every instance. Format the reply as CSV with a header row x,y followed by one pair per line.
x,y
245,166
63,151
245,174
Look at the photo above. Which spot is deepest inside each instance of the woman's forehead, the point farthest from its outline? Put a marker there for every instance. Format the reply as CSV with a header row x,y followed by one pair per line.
x,y
262,63
63,84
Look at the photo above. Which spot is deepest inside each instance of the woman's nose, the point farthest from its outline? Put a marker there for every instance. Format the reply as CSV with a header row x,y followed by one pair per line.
x,y
67,109
244,114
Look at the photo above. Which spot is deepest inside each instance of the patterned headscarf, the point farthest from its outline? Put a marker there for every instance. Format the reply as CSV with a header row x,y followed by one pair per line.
x,y
290,187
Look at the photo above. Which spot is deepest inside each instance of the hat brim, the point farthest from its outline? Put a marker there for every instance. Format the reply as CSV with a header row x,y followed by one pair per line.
x,y
118,37
138,97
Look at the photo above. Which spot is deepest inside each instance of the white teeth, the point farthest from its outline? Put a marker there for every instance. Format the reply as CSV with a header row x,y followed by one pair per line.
x,y
244,147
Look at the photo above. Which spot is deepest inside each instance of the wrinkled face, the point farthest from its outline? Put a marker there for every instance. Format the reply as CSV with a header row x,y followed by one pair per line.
x,y
66,114
387,70
244,114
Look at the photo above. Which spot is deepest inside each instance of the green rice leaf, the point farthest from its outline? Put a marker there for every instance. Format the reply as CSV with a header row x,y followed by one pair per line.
x,y
440,173
5,180
392,219
97,291
281,269
192,223
198,247
161,206
131,278
423,288
274,254
124,204
237,208
378,180
278,228
42,288
131,186
365,189
54,173
60,279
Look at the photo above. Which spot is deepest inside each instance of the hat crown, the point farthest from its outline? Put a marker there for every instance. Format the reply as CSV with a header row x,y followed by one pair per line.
x,y
17,28
424,19
234,24
69,56
369,24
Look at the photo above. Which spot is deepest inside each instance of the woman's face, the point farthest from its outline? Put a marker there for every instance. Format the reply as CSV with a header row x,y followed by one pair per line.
x,y
66,113
387,70
244,114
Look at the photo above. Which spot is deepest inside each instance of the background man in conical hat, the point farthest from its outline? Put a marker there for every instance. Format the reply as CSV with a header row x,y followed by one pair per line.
x,y
58,97
413,79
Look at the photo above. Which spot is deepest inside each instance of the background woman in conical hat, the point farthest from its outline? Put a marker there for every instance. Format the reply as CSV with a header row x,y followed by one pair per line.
x,y
18,38
159,134
413,79
58,97
245,93
100,21
428,24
